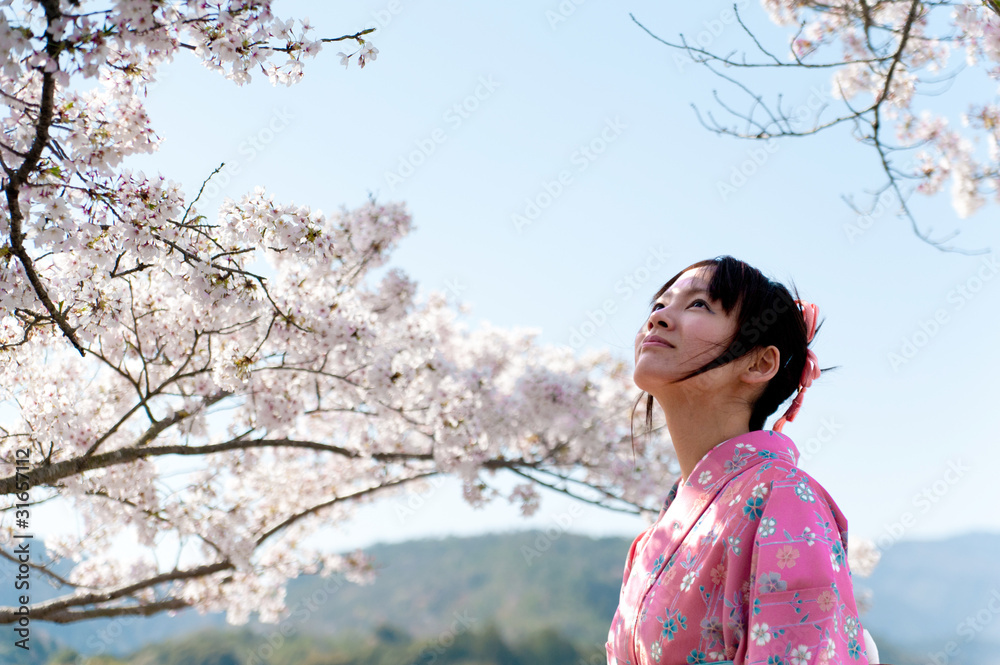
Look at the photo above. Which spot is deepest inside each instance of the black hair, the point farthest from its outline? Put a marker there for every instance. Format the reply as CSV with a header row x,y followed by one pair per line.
x,y
766,314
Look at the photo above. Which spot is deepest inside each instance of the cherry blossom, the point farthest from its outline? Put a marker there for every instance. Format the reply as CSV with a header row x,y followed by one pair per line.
x,y
215,387
891,65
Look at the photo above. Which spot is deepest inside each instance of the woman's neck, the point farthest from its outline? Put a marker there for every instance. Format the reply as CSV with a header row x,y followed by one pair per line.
x,y
697,428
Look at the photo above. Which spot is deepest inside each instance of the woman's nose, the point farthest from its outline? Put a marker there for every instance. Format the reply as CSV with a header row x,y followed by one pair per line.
x,y
660,318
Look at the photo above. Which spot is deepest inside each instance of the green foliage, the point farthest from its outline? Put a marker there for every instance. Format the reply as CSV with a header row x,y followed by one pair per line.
x,y
525,598
71,657
204,648
386,645
547,646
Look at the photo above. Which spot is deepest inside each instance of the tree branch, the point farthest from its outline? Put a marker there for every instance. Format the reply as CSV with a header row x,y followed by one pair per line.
x,y
47,475
58,606
18,178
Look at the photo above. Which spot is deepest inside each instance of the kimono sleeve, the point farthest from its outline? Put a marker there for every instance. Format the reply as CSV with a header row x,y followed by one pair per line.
x,y
801,606
630,558
638,539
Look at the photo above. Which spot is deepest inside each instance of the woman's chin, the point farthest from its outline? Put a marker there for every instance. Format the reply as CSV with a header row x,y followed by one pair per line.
x,y
652,381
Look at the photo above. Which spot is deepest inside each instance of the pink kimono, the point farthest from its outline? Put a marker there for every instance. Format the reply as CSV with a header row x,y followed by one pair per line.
x,y
746,564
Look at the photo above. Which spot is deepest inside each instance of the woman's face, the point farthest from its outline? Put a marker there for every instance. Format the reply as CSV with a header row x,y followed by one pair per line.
x,y
696,328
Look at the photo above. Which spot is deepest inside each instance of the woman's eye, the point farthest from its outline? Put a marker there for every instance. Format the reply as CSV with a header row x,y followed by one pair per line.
x,y
693,302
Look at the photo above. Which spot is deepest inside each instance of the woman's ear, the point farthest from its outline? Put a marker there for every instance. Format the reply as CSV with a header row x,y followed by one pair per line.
x,y
763,365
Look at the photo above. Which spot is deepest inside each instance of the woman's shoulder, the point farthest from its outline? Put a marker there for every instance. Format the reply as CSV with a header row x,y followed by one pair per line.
x,y
790,489
785,480
777,462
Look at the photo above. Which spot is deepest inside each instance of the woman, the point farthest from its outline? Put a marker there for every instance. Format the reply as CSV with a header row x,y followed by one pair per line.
x,y
747,562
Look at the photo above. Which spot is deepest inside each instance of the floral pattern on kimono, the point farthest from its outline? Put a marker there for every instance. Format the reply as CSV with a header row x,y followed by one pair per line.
x,y
746,564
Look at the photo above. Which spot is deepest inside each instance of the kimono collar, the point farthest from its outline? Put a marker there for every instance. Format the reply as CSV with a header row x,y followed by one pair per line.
x,y
732,457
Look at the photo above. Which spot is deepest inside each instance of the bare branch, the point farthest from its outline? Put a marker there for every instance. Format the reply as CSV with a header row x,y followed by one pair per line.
x,y
326,504
567,492
778,123
57,607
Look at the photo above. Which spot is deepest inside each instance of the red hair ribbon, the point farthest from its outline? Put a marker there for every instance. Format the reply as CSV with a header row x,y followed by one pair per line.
x,y
811,370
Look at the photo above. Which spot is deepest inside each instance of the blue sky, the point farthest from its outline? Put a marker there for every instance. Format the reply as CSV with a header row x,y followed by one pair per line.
x,y
474,112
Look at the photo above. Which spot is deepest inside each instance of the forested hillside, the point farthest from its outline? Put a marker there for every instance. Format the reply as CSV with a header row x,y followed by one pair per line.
x,y
517,599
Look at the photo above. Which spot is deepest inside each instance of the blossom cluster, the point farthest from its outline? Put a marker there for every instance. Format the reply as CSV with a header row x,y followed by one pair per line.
x,y
237,382
893,51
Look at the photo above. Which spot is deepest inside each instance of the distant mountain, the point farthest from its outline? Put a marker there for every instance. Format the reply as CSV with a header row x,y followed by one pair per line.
x,y
939,598
523,581
932,601
41,648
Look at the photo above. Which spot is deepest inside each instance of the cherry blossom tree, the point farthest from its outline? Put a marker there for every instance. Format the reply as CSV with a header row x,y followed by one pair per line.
x,y
889,63
214,387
